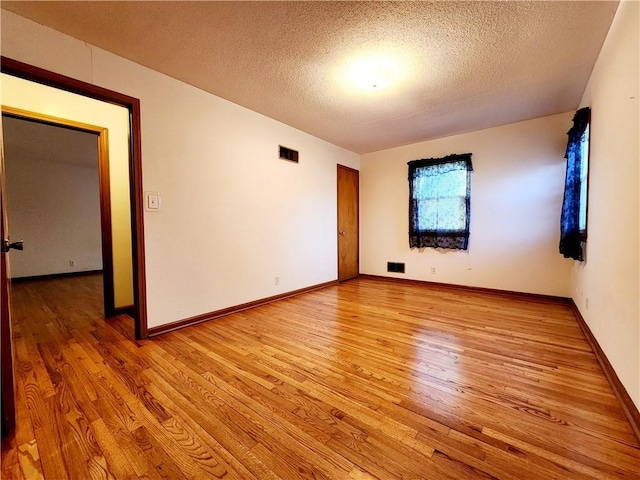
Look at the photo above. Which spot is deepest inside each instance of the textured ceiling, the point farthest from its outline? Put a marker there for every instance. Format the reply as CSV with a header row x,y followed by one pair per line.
x,y
452,67
48,143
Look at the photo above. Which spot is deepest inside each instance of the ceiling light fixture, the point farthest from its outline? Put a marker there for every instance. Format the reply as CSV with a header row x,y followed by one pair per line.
x,y
373,73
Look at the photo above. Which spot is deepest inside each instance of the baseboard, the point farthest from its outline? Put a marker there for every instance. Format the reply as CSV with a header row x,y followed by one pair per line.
x,y
153,331
54,275
629,408
466,288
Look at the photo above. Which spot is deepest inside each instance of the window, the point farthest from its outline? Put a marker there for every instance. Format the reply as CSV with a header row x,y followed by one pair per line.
x,y
584,173
573,223
439,206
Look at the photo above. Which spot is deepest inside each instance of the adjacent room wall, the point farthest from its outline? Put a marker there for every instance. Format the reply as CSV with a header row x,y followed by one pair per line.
x,y
233,215
607,285
516,198
53,199
34,97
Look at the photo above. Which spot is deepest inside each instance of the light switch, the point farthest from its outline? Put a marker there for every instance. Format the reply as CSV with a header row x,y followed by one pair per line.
x,y
153,201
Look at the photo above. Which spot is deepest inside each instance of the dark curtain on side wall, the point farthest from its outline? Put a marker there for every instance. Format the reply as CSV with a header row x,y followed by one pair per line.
x,y
570,235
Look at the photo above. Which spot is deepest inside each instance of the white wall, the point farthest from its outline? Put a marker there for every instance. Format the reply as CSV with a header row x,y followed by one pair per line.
x,y
516,197
609,277
53,204
33,97
233,215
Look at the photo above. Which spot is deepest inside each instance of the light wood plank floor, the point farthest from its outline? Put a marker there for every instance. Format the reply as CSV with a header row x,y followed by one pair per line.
x,y
368,379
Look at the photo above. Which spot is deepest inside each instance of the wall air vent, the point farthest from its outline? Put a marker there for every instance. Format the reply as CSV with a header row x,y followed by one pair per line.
x,y
395,267
288,154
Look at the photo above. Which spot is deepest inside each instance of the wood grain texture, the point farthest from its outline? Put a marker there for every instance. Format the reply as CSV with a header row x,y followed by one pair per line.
x,y
367,379
348,214
630,409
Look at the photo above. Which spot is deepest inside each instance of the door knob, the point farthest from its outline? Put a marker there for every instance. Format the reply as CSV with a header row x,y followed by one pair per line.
x,y
6,246
341,232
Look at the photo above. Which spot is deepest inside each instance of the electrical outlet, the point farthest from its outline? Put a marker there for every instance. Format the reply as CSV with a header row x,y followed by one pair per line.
x,y
433,270
276,280
72,263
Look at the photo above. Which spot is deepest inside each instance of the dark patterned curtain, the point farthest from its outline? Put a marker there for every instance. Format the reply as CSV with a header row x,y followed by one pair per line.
x,y
439,202
571,233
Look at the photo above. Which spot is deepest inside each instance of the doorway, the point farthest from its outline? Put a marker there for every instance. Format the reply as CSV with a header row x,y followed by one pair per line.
x,y
59,85
14,68
348,223
58,188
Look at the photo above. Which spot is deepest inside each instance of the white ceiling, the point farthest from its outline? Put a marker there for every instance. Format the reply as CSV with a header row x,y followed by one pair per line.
x,y
455,66
25,139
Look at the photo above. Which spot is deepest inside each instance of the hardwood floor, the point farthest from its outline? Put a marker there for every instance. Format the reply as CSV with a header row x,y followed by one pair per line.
x,y
367,379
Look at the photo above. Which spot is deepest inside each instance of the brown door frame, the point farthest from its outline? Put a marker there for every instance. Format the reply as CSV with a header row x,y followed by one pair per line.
x,y
357,172
104,186
45,77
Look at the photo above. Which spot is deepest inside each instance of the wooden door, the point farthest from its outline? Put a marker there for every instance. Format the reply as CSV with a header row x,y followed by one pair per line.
x,y
348,220
8,400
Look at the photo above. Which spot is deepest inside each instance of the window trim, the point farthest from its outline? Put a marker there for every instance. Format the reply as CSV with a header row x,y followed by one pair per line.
x,y
583,232
420,238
